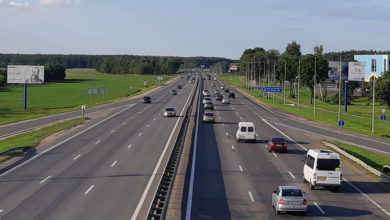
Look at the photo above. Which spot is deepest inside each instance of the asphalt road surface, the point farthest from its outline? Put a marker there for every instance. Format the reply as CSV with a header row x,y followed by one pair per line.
x,y
110,171
233,180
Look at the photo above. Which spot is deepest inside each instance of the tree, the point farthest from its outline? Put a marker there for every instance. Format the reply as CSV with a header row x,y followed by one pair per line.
x,y
307,72
383,88
293,49
318,50
290,64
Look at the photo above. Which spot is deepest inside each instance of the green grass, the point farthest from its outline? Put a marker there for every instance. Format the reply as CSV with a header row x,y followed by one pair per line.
x,y
33,138
375,160
53,98
360,124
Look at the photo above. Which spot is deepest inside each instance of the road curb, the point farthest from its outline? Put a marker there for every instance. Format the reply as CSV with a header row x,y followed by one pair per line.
x,y
370,169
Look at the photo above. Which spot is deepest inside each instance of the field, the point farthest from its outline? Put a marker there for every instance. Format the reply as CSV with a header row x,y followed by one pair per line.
x,y
357,119
53,98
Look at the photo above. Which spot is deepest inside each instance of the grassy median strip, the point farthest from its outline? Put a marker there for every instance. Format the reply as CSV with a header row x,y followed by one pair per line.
x,y
33,138
375,160
358,118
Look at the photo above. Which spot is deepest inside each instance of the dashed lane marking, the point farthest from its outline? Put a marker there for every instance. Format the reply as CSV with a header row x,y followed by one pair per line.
x,y
113,164
274,154
239,166
44,180
292,175
97,142
128,147
139,135
112,131
319,208
250,195
89,189
76,157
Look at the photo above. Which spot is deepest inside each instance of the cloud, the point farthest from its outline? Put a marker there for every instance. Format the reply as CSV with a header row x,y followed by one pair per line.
x,y
59,2
18,4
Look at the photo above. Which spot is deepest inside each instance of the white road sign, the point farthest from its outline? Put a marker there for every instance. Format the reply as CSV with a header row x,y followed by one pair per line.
x,y
22,74
356,71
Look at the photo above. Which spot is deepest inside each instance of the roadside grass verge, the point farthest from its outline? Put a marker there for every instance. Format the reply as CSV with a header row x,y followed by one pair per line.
x,y
33,138
373,159
358,118
70,94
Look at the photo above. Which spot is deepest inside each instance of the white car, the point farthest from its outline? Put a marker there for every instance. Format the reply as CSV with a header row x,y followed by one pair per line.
x,y
246,132
205,91
208,117
169,112
209,105
206,99
225,100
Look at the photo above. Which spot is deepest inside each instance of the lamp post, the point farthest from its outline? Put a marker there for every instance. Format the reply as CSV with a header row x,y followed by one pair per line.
x,y
299,79
314,86
284,82
373,104
339,110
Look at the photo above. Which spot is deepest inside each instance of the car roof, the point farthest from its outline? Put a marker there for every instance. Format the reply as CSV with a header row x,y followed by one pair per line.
x,y
323,153
290,187
246,123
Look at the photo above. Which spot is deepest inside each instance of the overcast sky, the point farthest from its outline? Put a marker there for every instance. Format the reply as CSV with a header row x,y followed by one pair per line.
x,y
222,28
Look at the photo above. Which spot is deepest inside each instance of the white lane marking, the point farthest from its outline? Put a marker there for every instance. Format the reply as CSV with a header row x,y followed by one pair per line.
x,y
1,210
89,189
139,112
113,164
139,135
159,113
147,126
132,117
232,147
274,154
239,166
112,131
241,118
250,195
44,180
97,142
227,134
154,174
292,175
367,197
123,123
128,147
64,141
76,157
154,119
319,208
223,124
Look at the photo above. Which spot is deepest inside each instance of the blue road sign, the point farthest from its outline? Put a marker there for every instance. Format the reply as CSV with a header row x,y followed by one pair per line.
x,y
270,88
341,123
383,117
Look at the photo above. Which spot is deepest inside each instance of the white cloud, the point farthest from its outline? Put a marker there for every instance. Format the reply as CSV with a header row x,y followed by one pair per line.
x,y
59,2
18,4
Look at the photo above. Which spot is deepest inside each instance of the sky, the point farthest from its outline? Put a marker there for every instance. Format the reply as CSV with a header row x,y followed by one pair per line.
x,y
219,28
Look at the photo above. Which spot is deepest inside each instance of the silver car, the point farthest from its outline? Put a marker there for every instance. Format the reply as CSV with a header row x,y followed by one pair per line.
x,y
205,91
206,99
208,105
208,117
169,112
225,100
289,199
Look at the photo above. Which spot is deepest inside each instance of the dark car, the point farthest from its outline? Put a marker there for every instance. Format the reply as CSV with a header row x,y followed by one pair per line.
x,y
173,92
277,144
219,97
227,90
232,95
179,86
147,99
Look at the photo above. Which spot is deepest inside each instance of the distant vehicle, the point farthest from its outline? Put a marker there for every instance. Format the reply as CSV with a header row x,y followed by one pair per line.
x,y
226,90
205,91
322,168
173,92
225,100
206,99
218,97
208,105
217,92
206,94
212,84
208,117
246,132
146,99
215,78
289,199
179,86
190,81
169,112
277,144
232,95
222,88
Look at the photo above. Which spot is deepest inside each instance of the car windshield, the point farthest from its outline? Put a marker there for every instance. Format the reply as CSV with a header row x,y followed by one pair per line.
x,y
169,109
146,97
292,192
328,164
208,114
278,140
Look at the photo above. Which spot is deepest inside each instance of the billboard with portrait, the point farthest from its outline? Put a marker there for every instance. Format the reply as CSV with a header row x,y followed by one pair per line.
x,y
334,70
22,74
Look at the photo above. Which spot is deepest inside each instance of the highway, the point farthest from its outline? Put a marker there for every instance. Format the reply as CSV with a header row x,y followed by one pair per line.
x,y
108,171
231,180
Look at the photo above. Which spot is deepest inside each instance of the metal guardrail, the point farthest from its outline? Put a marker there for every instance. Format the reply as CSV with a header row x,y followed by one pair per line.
x,y
159,206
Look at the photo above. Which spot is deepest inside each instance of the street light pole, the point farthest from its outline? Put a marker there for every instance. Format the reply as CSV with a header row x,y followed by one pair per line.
x,y
373,104
284,83
339,111
299,78
314,86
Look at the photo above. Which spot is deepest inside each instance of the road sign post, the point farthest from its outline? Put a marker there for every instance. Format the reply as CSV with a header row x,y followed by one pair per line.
x,y
341,124
83,107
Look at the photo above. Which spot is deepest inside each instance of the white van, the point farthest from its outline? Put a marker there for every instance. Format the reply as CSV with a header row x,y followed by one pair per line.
x,y
322,168
246,132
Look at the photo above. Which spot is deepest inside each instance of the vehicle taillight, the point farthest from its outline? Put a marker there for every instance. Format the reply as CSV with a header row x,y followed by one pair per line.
x,y
304,202
281,201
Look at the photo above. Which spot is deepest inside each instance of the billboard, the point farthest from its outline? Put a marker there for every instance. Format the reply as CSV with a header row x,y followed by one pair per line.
x,y
356,71
21,74
233,67
334,70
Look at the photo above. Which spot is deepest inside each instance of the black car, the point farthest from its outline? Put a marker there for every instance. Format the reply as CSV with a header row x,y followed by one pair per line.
x,y
232,95
179,86
147,99
227,90
219,97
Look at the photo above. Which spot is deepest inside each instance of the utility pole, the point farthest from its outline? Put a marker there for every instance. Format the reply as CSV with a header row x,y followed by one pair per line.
x,y
299,78
339,111
373,104
314,86
284,83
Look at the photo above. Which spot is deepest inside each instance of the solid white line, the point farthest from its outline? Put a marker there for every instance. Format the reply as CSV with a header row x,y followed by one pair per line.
x,y
367,197
139,135
64,141
76,157
45,179
250,195
227,134
274,154
239,166
192,176
97,142
291,175
112,131
232,147
113,164
319,208
89,189
147,188
128,147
